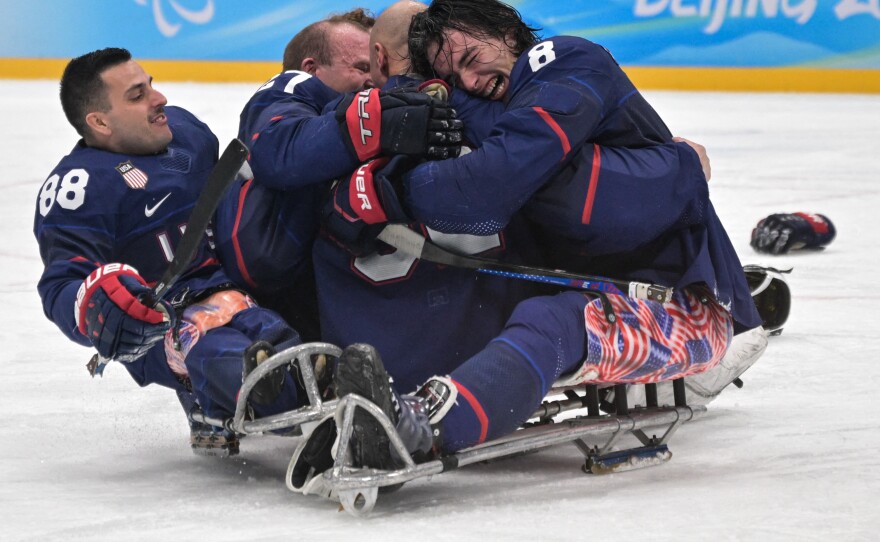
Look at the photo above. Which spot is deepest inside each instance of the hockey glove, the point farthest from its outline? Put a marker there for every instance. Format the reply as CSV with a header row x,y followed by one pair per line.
x,y
110,314
397,122
361,206
436,88
783,232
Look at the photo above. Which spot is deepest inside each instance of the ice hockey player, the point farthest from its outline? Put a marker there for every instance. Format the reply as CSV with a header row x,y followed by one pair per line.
x,y
463,309
107,220
298,148
550,119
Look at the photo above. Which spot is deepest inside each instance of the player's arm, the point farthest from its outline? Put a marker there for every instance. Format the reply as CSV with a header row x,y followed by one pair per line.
x,y
478,115
534,139
92,299
293,142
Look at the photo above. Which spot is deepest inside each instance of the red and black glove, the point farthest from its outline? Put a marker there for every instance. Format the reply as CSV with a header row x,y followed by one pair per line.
x,y
110,313
782,232
399,122
361,206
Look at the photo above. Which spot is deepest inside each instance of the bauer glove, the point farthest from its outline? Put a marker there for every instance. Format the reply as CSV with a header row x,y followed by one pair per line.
x,y
110,313
783,232
406,122
361,206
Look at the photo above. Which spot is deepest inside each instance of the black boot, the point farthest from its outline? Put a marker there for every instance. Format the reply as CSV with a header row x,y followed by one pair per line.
x,y
360,371
416,418
267,390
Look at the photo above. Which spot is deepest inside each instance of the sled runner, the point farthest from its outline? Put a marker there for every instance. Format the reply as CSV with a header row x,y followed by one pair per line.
x,y
611,436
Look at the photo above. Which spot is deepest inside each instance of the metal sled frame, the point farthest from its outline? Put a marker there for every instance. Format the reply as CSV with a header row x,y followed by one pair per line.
x,y
318,408
357,488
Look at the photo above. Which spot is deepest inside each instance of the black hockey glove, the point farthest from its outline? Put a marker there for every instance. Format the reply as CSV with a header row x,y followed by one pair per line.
x,y
783,232
398,122
361,206
109,312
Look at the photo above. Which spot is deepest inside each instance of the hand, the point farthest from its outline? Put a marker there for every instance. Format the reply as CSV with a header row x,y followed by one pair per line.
x,y
361,206
399,122
110,314
701,152
783,232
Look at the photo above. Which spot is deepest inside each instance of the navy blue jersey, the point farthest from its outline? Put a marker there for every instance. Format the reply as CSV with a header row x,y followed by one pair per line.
x,y
292,143
424,318
99,207
642,215
563,93
265,227
567,95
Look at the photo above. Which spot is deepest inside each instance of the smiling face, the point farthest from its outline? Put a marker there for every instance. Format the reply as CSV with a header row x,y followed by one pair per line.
x,y
478,65
135,122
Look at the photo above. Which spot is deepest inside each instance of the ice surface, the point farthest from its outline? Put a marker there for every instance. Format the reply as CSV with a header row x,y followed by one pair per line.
x,y
791,456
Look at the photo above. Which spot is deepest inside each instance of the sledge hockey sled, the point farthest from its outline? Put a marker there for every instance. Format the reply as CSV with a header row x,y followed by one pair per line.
x,y
597,429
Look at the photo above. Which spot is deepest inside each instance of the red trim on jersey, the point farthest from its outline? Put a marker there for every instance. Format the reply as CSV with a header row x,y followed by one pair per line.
x,y
208,262
478,410
594,180
566,146
239,259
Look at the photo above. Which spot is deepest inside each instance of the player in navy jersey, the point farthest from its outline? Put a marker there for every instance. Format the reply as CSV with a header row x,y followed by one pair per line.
x,y
107,221
562,97
301,139
265,227
387,300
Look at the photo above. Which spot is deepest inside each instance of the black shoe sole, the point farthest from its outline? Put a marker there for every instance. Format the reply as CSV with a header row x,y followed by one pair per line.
x,y
360,371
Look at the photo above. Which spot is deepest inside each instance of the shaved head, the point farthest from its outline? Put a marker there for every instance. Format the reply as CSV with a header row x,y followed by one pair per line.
x,y
389,50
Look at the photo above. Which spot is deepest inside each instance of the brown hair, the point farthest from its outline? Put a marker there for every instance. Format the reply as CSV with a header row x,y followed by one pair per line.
x,y
312,41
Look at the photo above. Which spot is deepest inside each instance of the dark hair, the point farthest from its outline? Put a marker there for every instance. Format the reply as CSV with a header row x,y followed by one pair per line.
x,y
312,42
82,89
479,18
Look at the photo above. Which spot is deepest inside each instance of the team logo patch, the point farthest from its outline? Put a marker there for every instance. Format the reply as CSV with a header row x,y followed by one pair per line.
x,y
134,177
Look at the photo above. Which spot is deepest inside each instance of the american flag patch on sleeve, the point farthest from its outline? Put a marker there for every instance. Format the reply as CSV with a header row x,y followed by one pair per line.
x,y
134,177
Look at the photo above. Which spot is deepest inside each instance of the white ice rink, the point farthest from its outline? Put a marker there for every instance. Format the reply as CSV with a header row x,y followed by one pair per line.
x,y
791,456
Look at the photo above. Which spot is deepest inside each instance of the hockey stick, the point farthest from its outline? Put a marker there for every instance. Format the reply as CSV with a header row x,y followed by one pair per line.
x,y
233,160
410,242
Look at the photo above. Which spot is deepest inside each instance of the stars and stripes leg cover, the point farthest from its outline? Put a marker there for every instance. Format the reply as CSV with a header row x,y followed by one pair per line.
x,y
653,342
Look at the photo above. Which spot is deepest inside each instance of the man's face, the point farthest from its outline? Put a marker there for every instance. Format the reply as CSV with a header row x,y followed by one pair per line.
x,y
349,67
136,122
478,65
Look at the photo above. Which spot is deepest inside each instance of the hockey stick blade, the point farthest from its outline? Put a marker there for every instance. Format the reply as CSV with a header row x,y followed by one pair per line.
x,y
233,159
414,244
